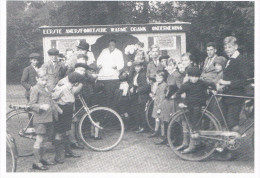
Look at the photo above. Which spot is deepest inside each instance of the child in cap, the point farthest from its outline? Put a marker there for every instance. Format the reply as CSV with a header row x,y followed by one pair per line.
x,y
44,113
63,95
219,64
196,96
123,95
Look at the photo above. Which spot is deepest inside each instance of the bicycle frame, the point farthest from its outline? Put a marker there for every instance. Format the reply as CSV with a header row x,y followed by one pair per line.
x,y
227,132
87,109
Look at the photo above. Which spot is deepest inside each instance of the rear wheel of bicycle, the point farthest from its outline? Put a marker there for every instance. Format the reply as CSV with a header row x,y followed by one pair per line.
x,y
15,124
205,147
101,139
148,115
11,157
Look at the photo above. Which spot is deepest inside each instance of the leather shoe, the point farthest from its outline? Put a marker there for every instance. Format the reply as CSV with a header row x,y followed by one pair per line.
x,y
58,161
141,130
155,134
39,167
77,146
71,155
163,142
47,163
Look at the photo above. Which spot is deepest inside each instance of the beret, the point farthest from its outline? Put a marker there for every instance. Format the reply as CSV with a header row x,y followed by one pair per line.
x,y
34,56
53,52
194,71
220,60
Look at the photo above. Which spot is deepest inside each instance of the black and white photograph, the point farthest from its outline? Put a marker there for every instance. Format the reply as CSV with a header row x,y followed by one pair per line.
x,y
129,87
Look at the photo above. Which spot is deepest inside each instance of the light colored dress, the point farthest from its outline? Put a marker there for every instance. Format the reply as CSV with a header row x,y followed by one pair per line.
x,y
159,97
169,106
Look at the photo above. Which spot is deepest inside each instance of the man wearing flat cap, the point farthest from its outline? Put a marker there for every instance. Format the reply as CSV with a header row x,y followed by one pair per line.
x,y
28,79
83,48
55,70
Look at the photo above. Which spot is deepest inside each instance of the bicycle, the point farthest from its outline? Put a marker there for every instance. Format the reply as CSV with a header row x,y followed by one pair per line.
x,y
11,154
102,122
148,114
212,133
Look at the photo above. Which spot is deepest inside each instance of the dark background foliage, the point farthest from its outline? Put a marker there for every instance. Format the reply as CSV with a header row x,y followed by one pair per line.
x,y
210,21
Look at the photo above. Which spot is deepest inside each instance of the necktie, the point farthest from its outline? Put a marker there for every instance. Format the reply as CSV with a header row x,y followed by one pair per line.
x,y
208,63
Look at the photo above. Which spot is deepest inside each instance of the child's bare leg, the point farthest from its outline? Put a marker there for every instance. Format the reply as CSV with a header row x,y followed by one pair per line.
x,y
156,129
37,153
68,151
164,139
59,148
185,141
72,137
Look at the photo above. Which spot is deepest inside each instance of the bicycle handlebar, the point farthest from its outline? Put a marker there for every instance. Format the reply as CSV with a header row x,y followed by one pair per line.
x,y
25,107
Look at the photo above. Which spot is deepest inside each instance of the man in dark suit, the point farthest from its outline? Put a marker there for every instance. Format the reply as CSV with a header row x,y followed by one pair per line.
x,y
208,67
28,79
235,75
55,70
139,88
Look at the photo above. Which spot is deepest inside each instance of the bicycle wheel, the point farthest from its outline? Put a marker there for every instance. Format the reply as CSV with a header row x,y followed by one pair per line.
x,y
11,155
148,115
101,139
204,147
16,122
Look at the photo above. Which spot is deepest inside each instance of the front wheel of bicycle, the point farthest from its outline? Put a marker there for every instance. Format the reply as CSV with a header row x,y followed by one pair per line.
x,y
101,139
178,130
11,155
16,124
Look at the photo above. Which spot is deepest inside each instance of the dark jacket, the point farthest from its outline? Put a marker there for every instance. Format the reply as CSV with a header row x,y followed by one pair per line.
x,y
28,79
196,93
237,72
143,88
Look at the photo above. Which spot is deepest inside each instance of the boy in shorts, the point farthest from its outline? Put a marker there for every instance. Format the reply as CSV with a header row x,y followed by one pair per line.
x,y
44,112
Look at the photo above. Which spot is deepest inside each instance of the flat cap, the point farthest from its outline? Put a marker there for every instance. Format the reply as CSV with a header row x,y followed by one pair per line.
x,y
34,56
53,52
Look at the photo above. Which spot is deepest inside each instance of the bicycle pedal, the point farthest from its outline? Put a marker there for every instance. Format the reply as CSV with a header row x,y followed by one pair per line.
x,y
219,149
244,135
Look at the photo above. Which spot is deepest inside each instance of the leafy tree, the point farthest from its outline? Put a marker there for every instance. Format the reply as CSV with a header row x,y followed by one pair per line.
x,y
210,21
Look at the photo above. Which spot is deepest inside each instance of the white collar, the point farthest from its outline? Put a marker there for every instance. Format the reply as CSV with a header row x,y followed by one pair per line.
x,y
235,54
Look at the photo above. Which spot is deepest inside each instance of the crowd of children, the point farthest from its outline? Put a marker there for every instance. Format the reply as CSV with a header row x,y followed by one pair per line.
x,y
166,81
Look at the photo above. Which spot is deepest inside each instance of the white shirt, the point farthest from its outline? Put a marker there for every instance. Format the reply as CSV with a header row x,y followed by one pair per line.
x,y
235,54
91,58
210,60
124,86
135,80
108,60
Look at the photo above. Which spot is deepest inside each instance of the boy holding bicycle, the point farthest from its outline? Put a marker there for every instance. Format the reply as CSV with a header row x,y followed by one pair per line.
x,y
44,113
196,96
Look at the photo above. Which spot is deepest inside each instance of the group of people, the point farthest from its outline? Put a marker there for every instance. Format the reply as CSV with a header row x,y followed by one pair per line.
x,y
51,91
